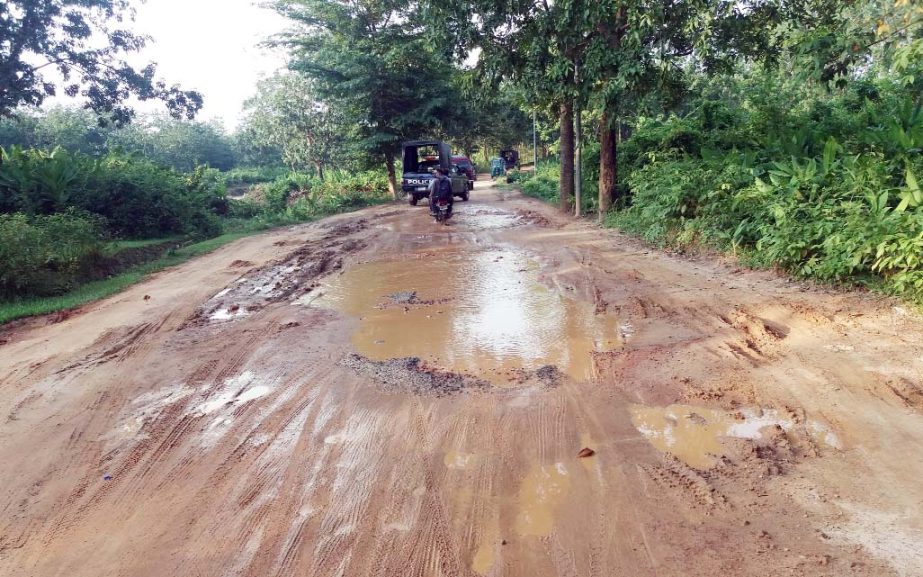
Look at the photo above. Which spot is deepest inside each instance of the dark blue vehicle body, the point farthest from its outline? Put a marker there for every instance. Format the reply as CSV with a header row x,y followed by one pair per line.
x,y
420,159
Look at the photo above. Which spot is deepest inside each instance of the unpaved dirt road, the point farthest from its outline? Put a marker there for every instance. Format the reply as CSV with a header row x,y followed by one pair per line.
x,y
375,394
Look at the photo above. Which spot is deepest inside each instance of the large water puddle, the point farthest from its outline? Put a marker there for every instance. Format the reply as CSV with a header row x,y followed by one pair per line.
x,y
480,313
693,434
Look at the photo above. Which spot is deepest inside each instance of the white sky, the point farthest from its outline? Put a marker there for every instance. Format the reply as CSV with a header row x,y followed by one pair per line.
x,y
210,46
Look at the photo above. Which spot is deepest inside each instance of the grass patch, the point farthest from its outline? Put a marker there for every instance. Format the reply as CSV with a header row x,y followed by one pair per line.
x,y
117,246
92,291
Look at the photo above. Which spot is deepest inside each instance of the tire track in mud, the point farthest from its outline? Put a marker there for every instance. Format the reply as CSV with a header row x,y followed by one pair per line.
x,y
255,496
431,549
84,445
351,489
171,428
282,463
600,539
118,344
400,518
283,280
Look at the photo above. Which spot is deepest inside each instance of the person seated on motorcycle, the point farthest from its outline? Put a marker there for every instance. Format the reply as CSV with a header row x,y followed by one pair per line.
x,y
440,183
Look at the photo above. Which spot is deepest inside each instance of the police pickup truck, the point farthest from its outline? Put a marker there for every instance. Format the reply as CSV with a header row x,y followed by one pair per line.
x,y
421,158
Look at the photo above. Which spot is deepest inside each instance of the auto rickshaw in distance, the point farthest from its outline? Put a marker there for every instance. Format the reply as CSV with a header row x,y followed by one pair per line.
x,y
510,158
497,167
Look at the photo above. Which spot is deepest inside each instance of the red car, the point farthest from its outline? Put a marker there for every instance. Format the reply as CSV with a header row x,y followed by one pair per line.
x,y
466,167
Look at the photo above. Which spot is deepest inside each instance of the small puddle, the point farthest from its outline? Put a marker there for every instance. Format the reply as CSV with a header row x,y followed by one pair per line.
x,y
539,495
693,434
458,460
482,313
485,556
487,219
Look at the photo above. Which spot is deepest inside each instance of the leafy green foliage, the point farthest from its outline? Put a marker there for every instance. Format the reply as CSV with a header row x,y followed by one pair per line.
x,y
86,42
299,196
825,188
179,144
544,184
136,198
372,63
286,115
46,255
254,174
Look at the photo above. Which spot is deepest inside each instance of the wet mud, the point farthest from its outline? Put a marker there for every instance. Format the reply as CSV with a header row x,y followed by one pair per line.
x,y
412,375
695,434
518,394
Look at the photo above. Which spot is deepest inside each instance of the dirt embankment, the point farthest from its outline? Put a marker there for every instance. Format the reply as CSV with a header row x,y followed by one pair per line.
x,y
377,395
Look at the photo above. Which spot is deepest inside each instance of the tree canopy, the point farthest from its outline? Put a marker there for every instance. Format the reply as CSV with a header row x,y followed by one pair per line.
x,y
78,48
286,114
372,61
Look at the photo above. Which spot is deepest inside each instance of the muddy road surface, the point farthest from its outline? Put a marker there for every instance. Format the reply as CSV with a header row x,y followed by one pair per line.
x,y
378,395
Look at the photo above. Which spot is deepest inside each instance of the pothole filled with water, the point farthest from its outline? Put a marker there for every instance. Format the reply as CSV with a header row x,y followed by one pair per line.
x,y
693,434
482,313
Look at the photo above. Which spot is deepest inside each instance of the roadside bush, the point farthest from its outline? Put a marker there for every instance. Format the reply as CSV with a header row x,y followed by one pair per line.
x,y
46,255
338,192
37,182
136,197
543,184
255,175
245,208
826,188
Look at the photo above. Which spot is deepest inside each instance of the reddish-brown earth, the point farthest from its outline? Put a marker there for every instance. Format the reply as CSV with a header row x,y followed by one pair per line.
x,y
375,394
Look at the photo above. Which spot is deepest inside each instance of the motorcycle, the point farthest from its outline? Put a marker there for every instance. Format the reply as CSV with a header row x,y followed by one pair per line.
x,y
443,210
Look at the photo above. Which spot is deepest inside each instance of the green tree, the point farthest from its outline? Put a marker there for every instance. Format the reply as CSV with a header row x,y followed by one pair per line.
x,y
371,61
180,144
535,45
85,42
487,118
286,114
72,129
621,57
18,130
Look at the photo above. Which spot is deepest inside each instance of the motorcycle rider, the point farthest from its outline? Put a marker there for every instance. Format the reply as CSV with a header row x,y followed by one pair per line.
x,y
439,183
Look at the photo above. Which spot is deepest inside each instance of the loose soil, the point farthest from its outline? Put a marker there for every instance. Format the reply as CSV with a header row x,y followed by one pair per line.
x,y
376,394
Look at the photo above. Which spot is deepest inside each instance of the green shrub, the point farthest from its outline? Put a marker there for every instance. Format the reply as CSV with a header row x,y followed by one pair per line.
x,y
46,255
245,208
825,188
542,185
339,191
136,197
255,175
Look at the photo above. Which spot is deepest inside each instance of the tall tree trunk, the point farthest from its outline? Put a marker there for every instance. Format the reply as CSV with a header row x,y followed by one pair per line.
x,y
392,179
566,185
608,169
613,31
320,170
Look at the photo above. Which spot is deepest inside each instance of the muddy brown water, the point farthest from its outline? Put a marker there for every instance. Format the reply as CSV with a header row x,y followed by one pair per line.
x,y
483,313
694,434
